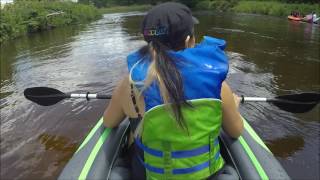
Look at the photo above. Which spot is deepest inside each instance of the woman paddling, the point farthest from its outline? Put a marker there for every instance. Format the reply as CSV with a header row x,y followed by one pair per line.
x,y
177,100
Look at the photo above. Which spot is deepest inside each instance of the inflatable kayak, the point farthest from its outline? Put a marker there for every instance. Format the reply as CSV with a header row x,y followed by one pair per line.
x,y
307,19
102,155
293,18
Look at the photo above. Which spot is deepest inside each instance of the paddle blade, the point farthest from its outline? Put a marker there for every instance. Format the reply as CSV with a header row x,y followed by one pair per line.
x,y
297,103
302,97
294,107
44,96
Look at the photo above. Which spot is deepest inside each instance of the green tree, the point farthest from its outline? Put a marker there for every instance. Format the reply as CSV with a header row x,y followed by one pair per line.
x,y
300,1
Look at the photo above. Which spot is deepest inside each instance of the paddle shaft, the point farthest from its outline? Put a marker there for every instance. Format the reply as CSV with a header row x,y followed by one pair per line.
x,y
275,100
248,99
244,99
263,99
88,96
296,103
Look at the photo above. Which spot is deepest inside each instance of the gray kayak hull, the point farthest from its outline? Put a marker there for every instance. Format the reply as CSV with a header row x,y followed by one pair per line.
x,y
100,155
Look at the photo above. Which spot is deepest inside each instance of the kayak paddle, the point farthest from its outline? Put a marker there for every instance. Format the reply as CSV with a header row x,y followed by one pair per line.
x,y
46,96
295,103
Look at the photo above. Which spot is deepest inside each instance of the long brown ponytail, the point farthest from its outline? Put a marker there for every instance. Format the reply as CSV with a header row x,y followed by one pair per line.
x,y
163,69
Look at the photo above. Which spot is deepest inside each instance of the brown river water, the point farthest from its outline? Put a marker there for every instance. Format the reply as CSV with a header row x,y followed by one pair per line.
x,y
269,56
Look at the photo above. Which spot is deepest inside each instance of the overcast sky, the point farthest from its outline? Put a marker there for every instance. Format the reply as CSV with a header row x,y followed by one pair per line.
x,y
5,1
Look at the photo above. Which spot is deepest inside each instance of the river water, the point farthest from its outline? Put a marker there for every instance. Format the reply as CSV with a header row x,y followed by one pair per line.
x,y
268,56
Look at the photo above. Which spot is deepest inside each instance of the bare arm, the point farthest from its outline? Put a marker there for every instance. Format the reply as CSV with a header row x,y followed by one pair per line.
x,y
114,113
232,122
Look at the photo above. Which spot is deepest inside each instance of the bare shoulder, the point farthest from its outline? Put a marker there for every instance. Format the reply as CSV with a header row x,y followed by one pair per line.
x,y
124,92
124,82
225,89
123,89
126,99
115,111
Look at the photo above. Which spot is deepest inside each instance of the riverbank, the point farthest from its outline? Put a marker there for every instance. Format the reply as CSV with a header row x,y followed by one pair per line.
x,y
117,9
23,17
273,8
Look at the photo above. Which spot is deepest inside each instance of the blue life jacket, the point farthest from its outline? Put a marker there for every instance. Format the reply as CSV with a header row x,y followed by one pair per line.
x,y
203,68
170,153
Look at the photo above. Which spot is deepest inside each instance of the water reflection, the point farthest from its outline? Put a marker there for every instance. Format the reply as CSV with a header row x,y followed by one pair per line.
x,y
272,45
58,143
293,144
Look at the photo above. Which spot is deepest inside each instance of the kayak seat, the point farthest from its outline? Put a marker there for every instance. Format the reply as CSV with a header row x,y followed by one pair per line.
x,y
226,173
121,170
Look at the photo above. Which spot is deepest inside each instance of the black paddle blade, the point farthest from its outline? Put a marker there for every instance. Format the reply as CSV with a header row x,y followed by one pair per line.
x,y
302,97
297,103
44,96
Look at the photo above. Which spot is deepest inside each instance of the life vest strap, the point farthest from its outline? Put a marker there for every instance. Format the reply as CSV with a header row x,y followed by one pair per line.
x,y
167,159
148,150
179,170
191,169
149,167
176,154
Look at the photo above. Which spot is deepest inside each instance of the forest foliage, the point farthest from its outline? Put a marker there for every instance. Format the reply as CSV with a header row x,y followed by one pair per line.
x,y
24,17
28,16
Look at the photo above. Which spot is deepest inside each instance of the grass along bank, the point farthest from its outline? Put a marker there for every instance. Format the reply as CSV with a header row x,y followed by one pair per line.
x,y
23,17
117,9
273,8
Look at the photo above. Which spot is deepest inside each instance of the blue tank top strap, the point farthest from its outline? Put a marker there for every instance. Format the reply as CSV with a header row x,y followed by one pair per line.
x,y
134,122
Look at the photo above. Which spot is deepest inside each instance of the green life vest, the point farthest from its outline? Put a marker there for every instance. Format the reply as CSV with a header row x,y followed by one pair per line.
x,y
171,152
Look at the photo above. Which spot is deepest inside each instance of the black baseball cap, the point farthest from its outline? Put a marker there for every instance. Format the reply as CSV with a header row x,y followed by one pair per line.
x,y
168,22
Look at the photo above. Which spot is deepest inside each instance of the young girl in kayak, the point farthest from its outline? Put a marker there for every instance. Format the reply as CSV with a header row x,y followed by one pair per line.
x,y
176,99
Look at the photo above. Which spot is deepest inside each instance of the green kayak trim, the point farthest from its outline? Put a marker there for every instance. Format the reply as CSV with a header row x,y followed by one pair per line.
x,y
254,135
106,132
248,155
93,154
89,136
253,159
